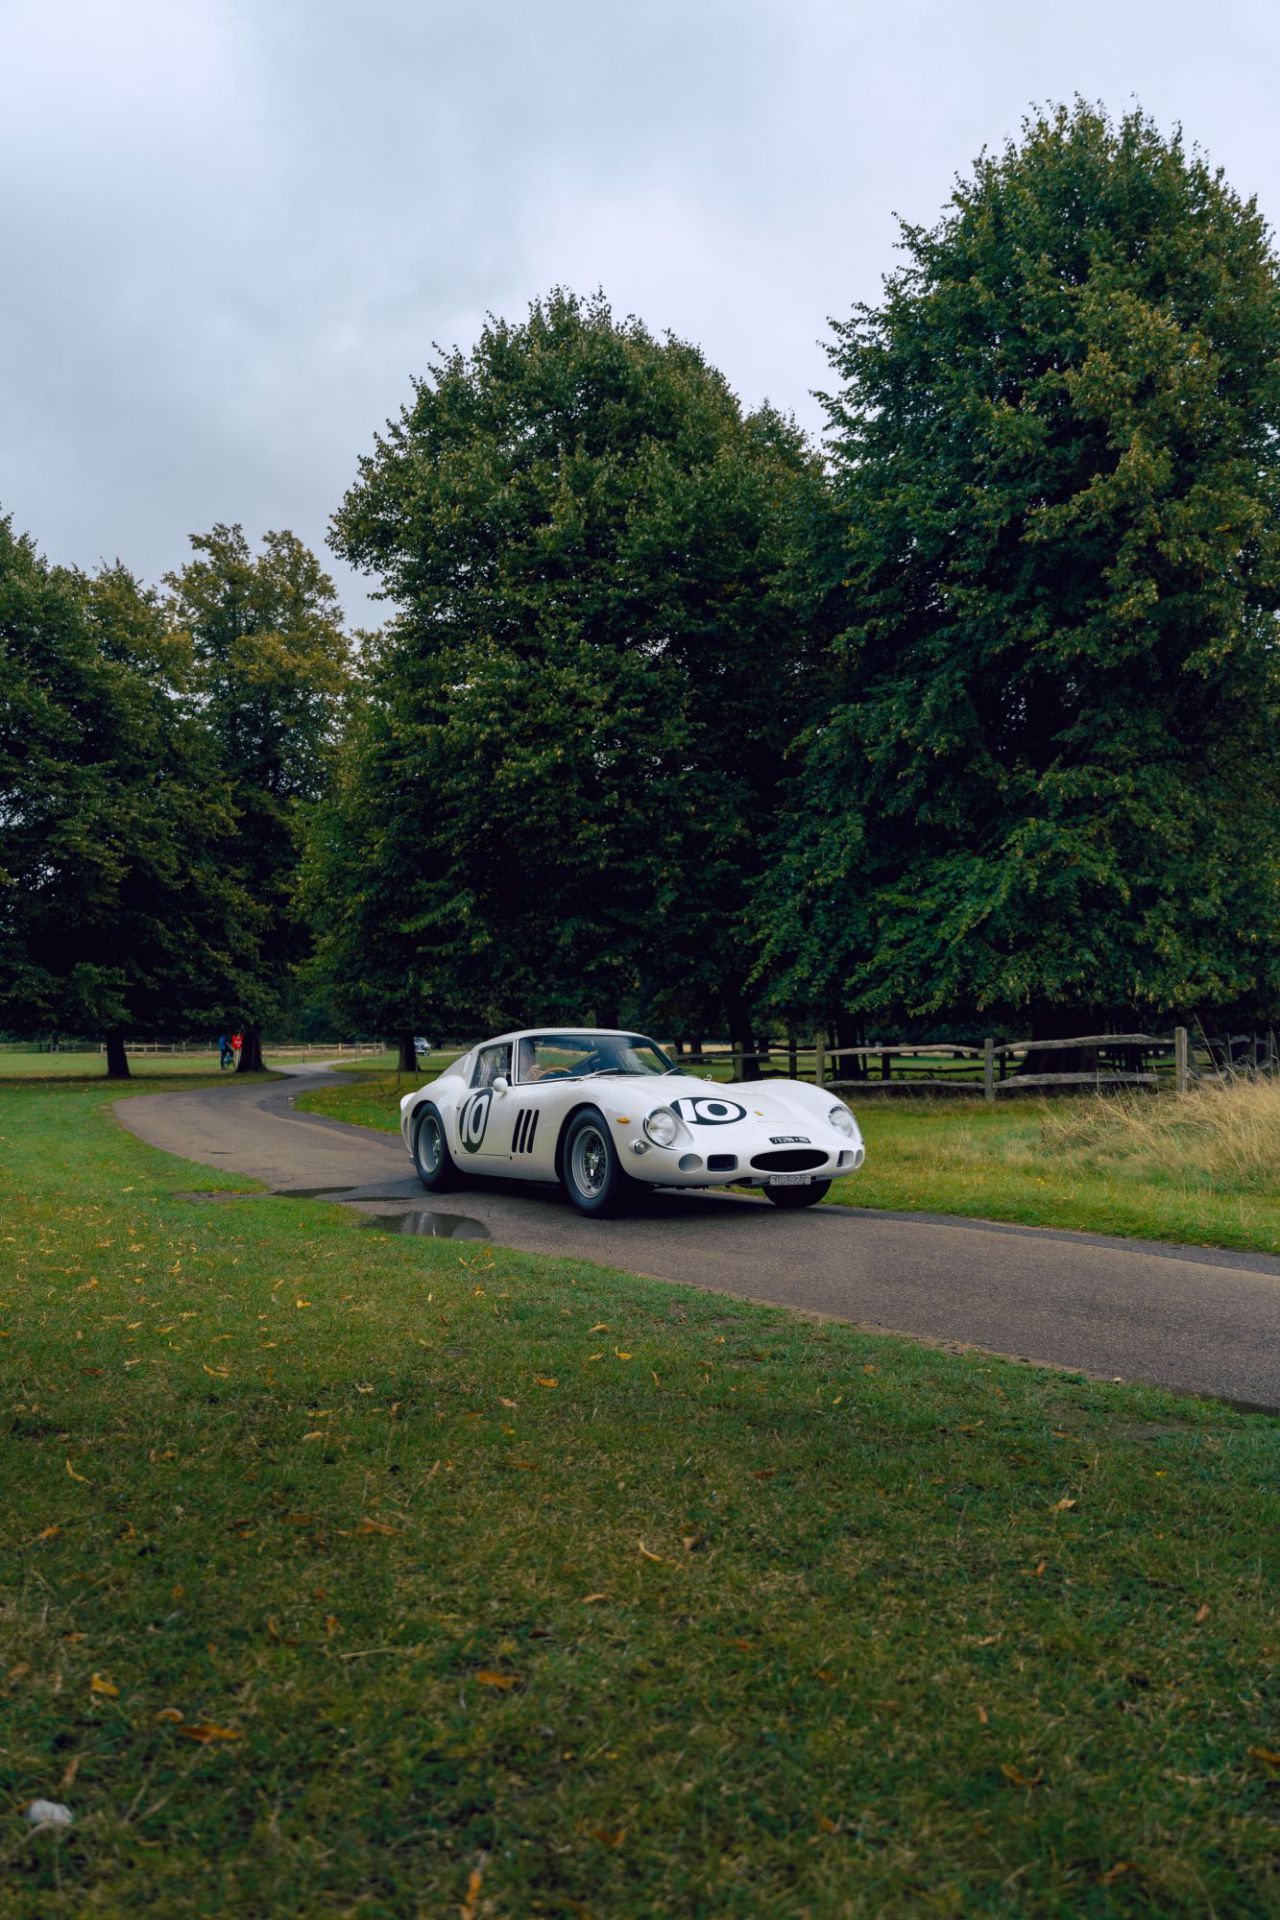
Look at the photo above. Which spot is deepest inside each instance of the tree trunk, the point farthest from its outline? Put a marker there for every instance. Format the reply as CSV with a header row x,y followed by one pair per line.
x,y
408,1061
251,1051
117,1058
850,1033
1053,1023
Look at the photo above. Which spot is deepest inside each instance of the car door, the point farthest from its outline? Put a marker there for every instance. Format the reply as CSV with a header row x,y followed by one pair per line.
x,y
485,1115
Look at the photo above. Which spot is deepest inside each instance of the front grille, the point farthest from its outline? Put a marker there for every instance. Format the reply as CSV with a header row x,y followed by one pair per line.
x,y
722,1162
789,1160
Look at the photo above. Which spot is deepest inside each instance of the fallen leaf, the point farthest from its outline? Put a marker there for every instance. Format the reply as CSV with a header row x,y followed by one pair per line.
x,y
1028,1780
984,1717
218,1373
317,1433
591,1599
488,1678
764,1473
1112,1874
1061,1506
507,1403
302,1303
370,1525
526,1466
691,1541
621,1355
645,1551
1034,1573
1202,1613
78,1476
97,1684
601,1326
170,1713
1267,1755
539,1381
206,1733
827,1824
48,1534
468,1909
868,1369
608,1836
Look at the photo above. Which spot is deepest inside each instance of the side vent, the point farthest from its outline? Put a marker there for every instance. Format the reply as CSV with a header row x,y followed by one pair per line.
x,y
526,1128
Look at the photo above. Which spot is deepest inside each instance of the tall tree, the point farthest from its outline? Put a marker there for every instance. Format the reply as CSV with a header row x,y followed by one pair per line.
x,y
270,664
577,716
115,911
1049,783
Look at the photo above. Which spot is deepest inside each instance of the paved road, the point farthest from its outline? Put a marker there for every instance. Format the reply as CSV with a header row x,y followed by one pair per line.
x,y
1186,1317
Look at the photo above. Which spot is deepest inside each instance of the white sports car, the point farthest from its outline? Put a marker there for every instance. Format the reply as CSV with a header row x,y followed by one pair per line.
x,y
604,1111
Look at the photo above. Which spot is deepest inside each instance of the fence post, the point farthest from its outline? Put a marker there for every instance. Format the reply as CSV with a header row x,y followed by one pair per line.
x,y
819,1059
1181,1077
739,1067
989,1071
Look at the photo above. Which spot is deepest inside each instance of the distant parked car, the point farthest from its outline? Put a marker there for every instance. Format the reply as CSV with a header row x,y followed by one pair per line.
x,y
420,1045
605,1111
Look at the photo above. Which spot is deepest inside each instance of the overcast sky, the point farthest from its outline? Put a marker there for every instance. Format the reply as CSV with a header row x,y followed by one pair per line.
x,y
232,229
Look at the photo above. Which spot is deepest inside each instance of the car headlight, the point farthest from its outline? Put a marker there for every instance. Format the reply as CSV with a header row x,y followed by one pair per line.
x,y
662,1127
842,1120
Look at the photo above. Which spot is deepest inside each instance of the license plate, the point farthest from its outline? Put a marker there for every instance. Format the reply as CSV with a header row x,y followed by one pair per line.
x,y
791,1180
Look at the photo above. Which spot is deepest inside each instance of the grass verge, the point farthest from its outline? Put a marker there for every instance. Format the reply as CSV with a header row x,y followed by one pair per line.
x,y
1203,1170
342,1574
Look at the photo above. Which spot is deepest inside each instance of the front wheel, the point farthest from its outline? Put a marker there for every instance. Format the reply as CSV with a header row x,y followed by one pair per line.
x,y
431,1155
789,1198
593,1175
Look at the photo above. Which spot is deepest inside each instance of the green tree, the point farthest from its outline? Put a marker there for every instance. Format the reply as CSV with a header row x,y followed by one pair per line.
x,y
1048,782
270,663
576,720
115,911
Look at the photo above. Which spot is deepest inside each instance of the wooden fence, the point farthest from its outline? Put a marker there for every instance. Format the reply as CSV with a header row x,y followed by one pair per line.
x,y
994,1070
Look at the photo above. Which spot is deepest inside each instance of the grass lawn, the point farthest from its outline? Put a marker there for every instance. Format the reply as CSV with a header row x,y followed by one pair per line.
x,y
1204,1170
344,1574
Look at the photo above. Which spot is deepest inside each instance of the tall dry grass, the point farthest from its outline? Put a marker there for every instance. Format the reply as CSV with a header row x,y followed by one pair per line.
x,y
1224,1138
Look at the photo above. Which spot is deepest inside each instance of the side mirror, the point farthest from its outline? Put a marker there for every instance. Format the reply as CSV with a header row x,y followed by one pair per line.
x,y
501,1084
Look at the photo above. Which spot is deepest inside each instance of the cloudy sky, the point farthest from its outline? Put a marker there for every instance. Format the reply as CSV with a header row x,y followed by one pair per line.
x,y
232,229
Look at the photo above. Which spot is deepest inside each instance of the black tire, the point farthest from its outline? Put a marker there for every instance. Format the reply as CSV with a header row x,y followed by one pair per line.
x,y
591,1170
789,1198
431,1155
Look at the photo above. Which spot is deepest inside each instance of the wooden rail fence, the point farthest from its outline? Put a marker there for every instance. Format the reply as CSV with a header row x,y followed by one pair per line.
x,y
995,1069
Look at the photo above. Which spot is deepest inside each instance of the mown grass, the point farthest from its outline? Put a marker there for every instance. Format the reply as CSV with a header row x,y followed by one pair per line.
x,y
342,1574
1203,1169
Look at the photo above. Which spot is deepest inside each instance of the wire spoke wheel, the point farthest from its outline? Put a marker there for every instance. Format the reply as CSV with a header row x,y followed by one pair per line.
x,y
596,1181
431,1155
590,1161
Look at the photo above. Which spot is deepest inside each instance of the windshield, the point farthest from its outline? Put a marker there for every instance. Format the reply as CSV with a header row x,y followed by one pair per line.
x,y
571,1056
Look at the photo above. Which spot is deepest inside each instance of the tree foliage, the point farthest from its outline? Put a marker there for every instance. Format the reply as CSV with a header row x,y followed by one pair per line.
x,y
1049,778
269,666
575,722
115,907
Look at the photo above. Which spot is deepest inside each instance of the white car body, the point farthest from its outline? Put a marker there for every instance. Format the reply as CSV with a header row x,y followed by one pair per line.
x,y
783,1135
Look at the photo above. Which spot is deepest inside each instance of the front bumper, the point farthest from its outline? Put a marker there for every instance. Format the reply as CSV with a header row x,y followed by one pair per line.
x,y
688,1167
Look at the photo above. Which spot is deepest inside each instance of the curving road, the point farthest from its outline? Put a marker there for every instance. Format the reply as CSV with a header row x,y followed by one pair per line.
x,y
1193,1318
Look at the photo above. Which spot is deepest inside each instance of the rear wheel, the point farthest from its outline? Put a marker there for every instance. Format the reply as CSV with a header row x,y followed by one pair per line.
x,y
431,1155
593,1175
789,1198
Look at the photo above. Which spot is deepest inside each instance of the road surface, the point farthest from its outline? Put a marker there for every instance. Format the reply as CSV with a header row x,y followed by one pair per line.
x,y
1193,1318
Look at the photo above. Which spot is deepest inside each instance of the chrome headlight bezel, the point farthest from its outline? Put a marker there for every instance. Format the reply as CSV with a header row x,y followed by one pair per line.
x,y
663,1127
843,1122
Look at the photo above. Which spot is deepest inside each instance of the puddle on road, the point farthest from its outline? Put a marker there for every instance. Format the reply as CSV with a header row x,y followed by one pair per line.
x,y
434,1226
